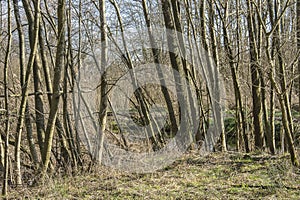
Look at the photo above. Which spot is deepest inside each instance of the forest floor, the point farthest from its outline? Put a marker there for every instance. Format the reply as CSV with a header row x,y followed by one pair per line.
x,y
216,176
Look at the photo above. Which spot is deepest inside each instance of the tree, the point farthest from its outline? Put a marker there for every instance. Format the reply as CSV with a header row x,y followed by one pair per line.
x,y
25,87
104,88
240,115
298,43
59,66
6,99
255,77
156,57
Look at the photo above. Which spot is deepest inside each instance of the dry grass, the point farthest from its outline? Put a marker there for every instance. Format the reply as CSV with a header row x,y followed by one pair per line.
x,y
217,176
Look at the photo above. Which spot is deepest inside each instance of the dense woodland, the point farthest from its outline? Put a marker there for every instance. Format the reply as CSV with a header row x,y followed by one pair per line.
x,y
254,45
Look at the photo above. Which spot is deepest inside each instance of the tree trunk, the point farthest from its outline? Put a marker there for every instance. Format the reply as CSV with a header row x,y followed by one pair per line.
x,y
156,56
25,87
143,109
103,88
215,74
177,65
255,78
59,66
6,101
282,94
298,45
240,115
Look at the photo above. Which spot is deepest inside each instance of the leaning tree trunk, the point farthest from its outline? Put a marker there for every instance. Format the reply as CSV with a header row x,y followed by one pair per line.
x,y
284,101
59,65
22,109
22,75
156,56
281,93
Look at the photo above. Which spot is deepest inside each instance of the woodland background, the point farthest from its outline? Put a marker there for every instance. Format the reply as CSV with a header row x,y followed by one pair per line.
x,y
255,45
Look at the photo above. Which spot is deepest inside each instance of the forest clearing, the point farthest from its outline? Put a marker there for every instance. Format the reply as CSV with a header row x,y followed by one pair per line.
x,y
217,176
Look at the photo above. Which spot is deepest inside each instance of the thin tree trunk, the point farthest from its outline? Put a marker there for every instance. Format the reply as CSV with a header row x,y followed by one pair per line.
x,y
104,88
22,77
39,105
59,66
216,88
298,45
240,115
177,65
240,102
66,117
6,101
49,88
193,74
255,78
144,110
25,87
156,56
282,97
272,95
267,126
186,66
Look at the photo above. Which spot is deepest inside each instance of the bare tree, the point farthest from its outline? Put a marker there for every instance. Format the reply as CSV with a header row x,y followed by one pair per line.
x,y
6,100
59,66
156,57
104,88
240,115
25,88
298,43
255,77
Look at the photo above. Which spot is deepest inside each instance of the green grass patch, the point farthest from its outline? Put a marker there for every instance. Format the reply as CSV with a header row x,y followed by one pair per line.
x,y
216,176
